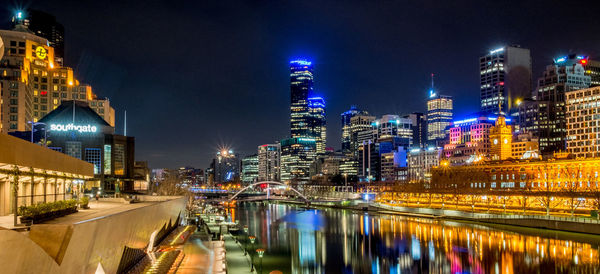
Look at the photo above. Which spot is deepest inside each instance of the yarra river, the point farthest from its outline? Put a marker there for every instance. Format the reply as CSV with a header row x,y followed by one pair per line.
x,y
326,240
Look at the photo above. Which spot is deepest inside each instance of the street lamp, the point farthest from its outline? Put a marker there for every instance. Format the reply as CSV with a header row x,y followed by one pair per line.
x,y
252,239
260,252
245,241
33,124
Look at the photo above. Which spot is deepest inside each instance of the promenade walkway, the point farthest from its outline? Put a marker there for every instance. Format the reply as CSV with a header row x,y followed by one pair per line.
x,y
237,262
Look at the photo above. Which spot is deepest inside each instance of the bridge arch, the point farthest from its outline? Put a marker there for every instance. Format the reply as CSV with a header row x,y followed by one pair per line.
x,y
269,183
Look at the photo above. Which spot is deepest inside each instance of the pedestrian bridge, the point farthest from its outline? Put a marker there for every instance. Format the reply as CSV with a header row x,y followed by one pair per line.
x,y
270,183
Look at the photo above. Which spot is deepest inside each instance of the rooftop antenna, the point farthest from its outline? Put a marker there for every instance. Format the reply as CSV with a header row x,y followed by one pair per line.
x,y
125,125
431,91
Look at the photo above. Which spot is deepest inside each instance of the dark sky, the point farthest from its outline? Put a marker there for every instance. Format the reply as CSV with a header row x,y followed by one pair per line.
x,y
197,75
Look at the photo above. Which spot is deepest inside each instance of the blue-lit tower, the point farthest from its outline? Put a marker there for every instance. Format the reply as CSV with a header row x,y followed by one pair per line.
x,y
316,123
301,85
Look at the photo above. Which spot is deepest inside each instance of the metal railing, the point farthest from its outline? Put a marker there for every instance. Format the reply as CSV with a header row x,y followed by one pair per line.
x,y
474,215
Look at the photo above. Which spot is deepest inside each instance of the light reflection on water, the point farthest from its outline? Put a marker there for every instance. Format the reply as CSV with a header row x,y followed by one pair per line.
x,y
301,240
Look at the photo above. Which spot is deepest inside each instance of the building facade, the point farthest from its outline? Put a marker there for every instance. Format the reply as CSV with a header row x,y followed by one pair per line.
x,y
419,129
33,84
505,75
439,116
44,25
226,167
347,127
77,130
566,74
583,122
421,160
297,156
317,123
269,160
250,169
301,86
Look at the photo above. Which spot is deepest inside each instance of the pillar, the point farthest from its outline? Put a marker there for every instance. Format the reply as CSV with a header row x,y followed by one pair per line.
x,y
15,191
45,185
32,187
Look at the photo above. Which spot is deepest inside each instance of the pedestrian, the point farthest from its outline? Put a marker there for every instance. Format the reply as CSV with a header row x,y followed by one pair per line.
x,y
97,197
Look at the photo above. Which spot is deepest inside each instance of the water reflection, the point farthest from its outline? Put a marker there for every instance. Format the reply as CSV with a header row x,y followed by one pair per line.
x,y
340,241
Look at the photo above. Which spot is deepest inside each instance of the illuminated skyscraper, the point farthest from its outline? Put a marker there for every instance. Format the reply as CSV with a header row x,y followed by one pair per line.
x,y
44,25
268,162
566,74
301,86
439,116
347,127
505,77
226,166
38,85
317,124
250,169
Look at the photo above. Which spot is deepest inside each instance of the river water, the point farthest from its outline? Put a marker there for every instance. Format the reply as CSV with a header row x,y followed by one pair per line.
x,y
325,240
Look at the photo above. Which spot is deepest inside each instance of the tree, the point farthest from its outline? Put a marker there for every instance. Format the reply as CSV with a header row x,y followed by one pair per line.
x,y
171,185
547,190
573,188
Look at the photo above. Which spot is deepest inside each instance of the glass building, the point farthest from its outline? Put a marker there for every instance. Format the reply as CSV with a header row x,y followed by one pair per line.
x,y
301,85
317,124
250,169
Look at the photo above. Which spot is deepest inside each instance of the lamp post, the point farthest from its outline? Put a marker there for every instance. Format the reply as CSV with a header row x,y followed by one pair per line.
x,y
245,242
33,124
252,239
260,252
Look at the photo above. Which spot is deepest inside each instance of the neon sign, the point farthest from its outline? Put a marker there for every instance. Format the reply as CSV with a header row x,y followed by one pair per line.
x,y
72,127
40,52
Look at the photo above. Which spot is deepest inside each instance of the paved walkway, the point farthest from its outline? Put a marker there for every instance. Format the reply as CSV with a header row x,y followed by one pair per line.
x,y
236,261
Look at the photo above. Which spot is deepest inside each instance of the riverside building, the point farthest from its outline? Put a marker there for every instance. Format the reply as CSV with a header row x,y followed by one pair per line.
x,y
75,129
583,122
268,162
33,84
505,76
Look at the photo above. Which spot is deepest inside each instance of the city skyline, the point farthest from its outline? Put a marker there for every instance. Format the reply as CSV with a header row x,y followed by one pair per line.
x,y
389,76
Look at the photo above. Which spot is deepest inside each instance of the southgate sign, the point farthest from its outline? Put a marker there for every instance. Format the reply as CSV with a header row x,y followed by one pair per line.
x,y
72,127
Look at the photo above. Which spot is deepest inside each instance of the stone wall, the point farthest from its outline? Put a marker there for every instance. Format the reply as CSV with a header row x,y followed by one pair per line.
x,y
82,247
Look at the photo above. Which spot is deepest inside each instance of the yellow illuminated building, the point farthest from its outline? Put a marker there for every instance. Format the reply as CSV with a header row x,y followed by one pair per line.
x,y
583,122
33,85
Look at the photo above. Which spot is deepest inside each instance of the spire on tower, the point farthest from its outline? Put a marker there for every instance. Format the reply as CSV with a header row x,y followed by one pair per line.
x,y
432,90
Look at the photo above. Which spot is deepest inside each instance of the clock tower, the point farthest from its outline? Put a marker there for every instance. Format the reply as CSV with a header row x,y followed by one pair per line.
x,y
501,140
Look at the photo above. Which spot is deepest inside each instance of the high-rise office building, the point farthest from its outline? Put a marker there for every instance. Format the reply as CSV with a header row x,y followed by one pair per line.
x,y
583,122
297,155
566,74
439,116
33,84
301,86
44,25
347,127
392,126
250,169
317,123
226,166
360,123
269,162
505,78
419,129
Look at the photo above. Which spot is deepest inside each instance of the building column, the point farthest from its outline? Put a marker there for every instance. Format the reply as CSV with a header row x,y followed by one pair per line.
x,y
15,192
64,189
45,185
55,189
32,185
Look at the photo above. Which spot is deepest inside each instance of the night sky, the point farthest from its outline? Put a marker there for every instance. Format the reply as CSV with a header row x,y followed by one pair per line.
x,y
194,77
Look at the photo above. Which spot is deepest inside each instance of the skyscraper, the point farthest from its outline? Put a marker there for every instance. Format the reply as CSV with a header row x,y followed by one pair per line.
x,y
317,123
44,25
439,116
505,77
250,169
347,126
565,74
46,86
419,129
301,86
268,162
226,166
